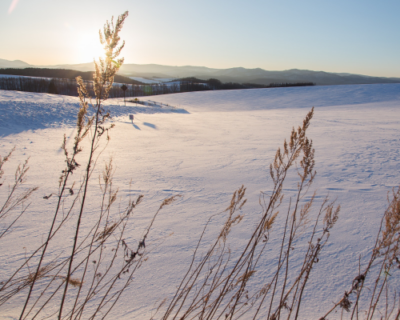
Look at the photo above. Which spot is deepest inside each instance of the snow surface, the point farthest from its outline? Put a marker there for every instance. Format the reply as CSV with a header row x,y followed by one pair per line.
x,y
212,144
21,111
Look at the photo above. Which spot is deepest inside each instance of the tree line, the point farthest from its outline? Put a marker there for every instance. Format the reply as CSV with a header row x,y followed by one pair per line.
x,y
67,86
195,84
61,74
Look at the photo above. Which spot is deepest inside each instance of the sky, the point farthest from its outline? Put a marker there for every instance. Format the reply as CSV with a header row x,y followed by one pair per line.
x,y
361,37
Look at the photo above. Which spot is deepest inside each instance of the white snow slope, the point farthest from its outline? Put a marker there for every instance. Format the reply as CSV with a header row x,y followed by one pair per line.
x,y
212,144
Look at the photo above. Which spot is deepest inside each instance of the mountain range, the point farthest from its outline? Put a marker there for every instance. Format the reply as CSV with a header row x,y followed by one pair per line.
x,y
239,75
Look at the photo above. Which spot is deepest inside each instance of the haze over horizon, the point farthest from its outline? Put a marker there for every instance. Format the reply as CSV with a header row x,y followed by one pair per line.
x,y
360,37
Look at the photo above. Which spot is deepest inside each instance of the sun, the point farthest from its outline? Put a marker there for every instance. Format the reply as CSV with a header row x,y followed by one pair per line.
x,y
89,48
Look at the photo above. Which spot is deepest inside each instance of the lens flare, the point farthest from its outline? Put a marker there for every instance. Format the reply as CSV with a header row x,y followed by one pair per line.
x,y
12,6
89,48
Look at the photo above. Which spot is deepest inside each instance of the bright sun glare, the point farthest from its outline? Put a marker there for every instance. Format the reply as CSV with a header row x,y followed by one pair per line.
x,y
89,48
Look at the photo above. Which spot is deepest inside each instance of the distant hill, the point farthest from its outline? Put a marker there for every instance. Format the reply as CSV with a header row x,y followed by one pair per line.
x,y
239,75
14,64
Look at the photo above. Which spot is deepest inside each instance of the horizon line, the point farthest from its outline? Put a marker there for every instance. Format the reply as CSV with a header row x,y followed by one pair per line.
x,y
183,66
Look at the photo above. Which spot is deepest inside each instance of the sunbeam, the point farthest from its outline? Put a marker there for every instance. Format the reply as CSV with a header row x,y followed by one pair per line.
x,y
12,6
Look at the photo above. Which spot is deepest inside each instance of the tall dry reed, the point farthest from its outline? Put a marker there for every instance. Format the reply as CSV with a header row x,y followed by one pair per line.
x,y
87,282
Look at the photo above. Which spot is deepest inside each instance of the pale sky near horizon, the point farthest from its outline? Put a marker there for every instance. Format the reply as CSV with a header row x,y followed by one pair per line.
x,y
351,36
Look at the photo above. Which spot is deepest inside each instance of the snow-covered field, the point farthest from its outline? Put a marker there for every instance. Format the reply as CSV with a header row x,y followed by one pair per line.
x,y
205,149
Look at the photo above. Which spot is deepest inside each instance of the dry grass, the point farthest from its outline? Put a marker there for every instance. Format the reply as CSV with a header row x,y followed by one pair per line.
x,y
220,282
101,263
384,258
220,285
15,197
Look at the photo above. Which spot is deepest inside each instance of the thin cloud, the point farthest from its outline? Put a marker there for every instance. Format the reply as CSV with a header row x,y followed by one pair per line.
x,y
12,6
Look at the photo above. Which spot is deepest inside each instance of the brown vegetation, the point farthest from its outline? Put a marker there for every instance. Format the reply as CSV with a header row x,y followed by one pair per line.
x,y
220,282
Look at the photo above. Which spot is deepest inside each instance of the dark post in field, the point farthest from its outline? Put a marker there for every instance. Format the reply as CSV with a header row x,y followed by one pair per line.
x,y
124,87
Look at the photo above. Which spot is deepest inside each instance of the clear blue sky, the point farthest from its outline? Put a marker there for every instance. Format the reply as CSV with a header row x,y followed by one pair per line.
x,y
337,36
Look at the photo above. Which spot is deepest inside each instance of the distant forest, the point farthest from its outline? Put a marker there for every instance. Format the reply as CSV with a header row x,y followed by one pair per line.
x,y
215,84
62,81
61,74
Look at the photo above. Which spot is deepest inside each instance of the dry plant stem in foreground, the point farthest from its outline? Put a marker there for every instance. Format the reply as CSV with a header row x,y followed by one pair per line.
x,y
103,81
384,260
101,263
217,284
84,127
14,197
93,266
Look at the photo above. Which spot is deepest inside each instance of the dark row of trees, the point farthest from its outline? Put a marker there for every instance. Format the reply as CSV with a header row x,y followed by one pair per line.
x,y
69,86
61,74
214,84
57,86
